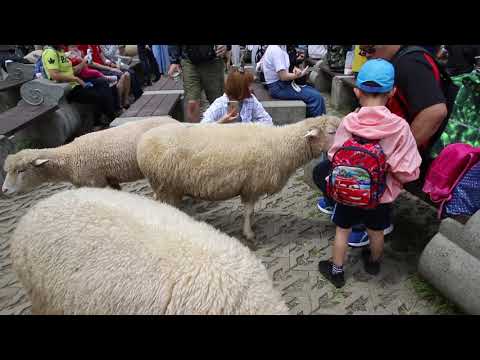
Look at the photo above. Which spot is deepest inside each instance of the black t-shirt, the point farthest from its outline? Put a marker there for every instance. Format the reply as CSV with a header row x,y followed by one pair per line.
x,y
415,78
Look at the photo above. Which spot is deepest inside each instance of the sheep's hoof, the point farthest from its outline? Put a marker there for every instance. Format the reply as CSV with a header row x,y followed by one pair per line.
x,y
249,235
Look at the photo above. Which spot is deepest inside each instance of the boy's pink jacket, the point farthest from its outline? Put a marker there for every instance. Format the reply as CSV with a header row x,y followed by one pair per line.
x,y
396,139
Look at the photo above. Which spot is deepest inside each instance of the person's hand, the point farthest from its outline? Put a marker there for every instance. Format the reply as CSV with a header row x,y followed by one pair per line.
x,y
81,82
117,71
297,72
174,68
221,51
229,117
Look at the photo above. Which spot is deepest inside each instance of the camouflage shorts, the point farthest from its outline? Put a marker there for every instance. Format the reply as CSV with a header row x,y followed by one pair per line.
x,y
209,76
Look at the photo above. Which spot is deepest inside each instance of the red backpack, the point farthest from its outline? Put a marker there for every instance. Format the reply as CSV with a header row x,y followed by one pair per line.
x,y
358,174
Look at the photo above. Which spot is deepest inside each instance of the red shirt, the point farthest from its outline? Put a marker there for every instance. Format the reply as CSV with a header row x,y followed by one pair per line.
x,y
96,52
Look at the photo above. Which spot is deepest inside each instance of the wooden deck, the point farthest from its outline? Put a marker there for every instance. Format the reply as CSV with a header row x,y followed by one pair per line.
x,y
157,100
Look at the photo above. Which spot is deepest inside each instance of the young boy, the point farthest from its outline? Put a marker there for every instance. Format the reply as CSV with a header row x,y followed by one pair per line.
x,y
373,122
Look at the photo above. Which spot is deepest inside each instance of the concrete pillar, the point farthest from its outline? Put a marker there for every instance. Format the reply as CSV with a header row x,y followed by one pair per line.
x,y
453,271
343,97
451,262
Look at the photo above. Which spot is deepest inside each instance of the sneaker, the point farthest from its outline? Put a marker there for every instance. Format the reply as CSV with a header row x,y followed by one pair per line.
x,y
371,267
358,239
361,227
388,230
325,206
325,268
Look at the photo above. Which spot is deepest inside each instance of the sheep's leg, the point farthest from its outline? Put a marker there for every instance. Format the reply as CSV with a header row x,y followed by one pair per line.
x,y
170,199
247,224
113,184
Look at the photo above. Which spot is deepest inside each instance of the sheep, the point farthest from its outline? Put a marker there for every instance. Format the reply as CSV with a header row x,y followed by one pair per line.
x,y
98,159
218,162
101,251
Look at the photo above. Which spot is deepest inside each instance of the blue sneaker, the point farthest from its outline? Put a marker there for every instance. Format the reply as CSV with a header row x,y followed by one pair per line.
x,y
325,206
358,239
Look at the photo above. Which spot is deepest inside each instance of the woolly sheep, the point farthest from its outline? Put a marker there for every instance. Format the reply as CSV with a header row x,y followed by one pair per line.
x,y
98,159
218,162
100,251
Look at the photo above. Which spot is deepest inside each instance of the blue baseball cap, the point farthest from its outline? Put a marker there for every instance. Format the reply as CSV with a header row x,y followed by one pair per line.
x,y
376,76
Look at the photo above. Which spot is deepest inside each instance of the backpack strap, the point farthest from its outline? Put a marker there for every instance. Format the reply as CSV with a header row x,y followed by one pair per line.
x,y
362,140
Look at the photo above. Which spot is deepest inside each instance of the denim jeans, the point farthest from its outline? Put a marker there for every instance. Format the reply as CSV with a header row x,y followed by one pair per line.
x,y
283,90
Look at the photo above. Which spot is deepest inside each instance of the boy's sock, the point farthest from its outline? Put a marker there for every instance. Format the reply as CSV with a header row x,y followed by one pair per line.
x,y
371,266
336,269
326,268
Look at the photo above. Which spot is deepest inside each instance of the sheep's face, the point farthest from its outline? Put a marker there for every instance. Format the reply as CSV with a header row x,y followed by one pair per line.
x,y
23,173
321,132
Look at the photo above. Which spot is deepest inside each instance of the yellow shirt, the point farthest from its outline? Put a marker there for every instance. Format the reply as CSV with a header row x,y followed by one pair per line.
x,y
56,60
358,60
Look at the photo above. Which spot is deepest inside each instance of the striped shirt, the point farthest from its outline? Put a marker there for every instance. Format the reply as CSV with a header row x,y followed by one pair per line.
x,y
251,111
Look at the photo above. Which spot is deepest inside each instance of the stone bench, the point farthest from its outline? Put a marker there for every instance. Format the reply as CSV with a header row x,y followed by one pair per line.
x,y
340,86
44,116
451,262
281,111
17,75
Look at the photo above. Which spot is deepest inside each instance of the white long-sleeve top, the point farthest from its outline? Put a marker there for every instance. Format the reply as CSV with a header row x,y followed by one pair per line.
x,y
251,111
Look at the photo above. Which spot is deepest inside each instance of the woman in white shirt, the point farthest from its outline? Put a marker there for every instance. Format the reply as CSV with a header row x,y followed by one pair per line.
x,y
237,89
281,82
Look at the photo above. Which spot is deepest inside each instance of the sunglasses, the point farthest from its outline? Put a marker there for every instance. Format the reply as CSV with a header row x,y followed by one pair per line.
x,y
367,49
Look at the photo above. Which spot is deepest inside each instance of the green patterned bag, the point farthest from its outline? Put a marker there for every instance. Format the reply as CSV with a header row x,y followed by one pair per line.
x,y
464,123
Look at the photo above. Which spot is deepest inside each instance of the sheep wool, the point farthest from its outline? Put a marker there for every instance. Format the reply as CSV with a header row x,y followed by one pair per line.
x,y
218,162
100,251
98,159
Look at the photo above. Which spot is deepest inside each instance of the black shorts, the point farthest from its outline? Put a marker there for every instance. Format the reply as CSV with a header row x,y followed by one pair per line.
x,y
374,219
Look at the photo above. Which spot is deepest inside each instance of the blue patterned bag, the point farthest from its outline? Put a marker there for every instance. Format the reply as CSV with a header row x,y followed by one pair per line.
x,y
466,195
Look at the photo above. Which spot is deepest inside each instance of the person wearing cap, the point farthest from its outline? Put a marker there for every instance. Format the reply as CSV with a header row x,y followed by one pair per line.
x,y
237,88
373,121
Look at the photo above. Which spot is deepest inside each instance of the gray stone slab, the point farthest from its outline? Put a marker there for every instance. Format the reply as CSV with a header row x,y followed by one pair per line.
x,y
121,121
163,92
285,111
453,271
342,94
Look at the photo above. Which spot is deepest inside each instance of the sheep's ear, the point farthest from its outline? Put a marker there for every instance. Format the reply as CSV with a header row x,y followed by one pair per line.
x,y
11,137
312,133
39,162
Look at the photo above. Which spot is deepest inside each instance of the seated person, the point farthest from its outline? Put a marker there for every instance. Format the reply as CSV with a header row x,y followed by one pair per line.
x,y
114,54
59,68
281,84
107,67
237,89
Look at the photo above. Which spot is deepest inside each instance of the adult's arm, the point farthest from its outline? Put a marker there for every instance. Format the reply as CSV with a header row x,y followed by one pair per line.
x,y
427,104
214,112
427,122
59,77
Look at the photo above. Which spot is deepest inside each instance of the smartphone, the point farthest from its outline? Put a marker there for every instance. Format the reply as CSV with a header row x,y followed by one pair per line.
x,y
233,105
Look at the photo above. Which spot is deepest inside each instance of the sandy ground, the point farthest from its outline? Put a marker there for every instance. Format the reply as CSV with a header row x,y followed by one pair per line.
x,y
292,236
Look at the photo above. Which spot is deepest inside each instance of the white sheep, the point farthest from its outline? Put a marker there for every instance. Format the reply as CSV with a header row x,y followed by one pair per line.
x,y
98,159
100,251
218,162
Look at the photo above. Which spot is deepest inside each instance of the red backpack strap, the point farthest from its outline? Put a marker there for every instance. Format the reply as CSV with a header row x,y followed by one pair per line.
x,y
433,64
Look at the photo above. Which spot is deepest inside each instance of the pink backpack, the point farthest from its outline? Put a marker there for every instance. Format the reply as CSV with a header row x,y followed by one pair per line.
x,y
447,170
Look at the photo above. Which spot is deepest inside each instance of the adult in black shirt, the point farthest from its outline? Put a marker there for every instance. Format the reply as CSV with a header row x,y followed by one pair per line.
x,y
414,76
